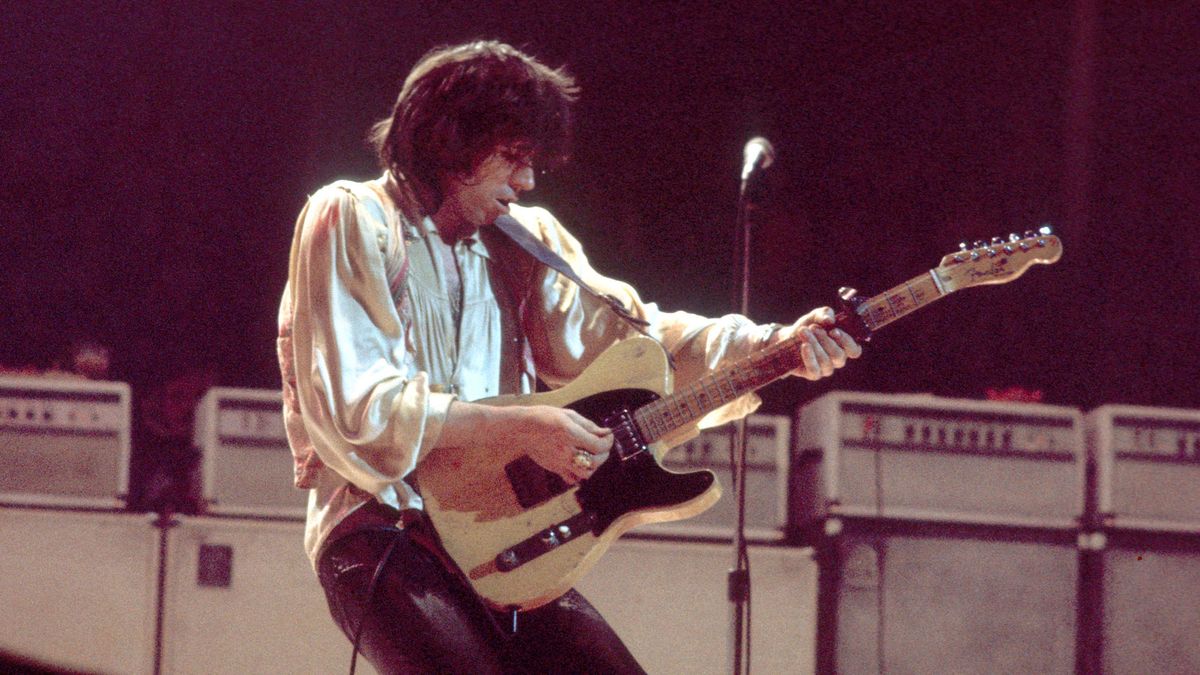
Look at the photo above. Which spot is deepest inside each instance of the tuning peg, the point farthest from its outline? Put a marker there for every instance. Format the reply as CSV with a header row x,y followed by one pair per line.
x,y
979,244
996,241
963,246
1045,230
1030,234
846,293
1014,237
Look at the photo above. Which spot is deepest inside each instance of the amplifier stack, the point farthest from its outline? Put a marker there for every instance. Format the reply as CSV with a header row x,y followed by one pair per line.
x,y
945,529
1145,539
930,534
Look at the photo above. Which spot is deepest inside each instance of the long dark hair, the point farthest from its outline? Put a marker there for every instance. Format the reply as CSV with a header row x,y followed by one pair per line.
x,y
461,102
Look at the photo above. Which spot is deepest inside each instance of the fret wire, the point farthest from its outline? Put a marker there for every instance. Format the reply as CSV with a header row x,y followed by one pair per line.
x,y
645,419
696,403
641,419
916,301
704,391
656,420
660,424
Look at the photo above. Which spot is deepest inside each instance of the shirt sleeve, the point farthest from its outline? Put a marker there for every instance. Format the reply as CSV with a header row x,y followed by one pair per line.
x,y
571,328
367,418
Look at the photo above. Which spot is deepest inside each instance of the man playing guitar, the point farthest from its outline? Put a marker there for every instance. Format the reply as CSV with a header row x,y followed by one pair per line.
x,y
404,307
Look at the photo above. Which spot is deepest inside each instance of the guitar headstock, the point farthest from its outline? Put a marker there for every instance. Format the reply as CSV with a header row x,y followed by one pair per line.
x,y
999,261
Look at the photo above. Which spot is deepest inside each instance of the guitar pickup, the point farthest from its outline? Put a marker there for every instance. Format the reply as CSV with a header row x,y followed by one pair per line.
x,y
627,441
545,541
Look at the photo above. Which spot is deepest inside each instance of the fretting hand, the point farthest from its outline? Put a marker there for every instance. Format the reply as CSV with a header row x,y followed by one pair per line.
x,y
823,348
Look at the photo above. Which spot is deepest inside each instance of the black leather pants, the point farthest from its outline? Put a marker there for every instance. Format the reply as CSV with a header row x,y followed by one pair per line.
x,y
424,619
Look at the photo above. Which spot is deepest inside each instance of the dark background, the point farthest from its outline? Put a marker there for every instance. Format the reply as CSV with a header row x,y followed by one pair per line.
x,y
155,156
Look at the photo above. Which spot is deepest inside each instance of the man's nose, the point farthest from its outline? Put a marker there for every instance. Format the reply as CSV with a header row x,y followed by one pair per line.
x,y
522,178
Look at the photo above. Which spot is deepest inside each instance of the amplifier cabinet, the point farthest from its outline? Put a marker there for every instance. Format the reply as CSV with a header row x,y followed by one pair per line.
x,y
669,602
908,597
64,442
768,439
1147,467
240,596
247,462
77,589
926,458
1150,620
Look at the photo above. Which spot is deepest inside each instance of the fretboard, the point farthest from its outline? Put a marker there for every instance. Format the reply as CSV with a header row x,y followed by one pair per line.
x,y
661,417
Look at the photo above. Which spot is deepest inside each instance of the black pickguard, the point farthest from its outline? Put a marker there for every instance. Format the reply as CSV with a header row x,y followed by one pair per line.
x,y
619,486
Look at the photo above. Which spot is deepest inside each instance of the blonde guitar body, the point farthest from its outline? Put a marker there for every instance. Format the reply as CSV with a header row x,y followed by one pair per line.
x,y
517,532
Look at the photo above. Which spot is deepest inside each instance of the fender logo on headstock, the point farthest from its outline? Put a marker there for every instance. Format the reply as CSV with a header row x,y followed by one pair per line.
x,y
999,268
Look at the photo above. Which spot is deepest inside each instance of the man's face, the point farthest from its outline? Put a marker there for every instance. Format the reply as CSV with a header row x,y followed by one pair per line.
x,y
484,195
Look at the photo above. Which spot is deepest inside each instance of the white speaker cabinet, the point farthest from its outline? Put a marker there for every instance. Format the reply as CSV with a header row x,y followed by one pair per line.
x,y
241,597
668,602
78,588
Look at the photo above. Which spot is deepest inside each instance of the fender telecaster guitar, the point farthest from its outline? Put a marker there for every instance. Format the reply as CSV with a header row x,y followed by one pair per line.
x,y
523,537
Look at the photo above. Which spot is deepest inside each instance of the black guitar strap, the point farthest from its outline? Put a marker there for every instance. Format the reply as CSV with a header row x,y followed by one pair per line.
x,y
545,255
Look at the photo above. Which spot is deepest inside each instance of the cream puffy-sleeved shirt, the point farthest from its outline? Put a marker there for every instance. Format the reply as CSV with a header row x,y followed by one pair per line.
x,y
374,343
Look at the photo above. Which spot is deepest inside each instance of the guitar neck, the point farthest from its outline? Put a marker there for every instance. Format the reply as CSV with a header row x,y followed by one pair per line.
x,y
661,417
902,300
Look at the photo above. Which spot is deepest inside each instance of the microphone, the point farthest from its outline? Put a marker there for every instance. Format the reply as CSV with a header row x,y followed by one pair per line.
x,y
759,154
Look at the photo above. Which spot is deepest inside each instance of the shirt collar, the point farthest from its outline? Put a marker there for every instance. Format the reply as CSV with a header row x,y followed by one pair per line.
x,y
426,228
416,224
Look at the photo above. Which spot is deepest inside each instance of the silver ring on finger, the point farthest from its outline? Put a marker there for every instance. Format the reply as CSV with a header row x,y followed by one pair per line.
x,y
583,460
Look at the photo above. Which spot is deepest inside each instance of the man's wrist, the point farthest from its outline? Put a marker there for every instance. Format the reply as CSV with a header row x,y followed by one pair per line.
x,y
770,330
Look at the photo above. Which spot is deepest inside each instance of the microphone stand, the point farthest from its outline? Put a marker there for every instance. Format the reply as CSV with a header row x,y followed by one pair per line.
x,y
739,576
